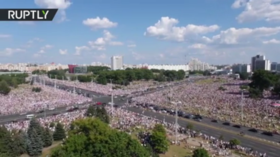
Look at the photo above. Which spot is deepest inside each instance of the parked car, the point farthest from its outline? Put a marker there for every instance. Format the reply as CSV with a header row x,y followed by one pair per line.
x,y
253,130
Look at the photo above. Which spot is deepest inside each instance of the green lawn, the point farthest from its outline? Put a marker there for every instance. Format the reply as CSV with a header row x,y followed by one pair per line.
x,y
177,151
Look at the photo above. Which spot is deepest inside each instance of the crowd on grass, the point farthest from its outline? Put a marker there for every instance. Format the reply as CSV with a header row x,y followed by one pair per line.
x,y
219,99
23,99
129,121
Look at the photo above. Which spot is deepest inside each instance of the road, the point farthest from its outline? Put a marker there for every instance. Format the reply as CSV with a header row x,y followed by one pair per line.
x,y
271,150
206,126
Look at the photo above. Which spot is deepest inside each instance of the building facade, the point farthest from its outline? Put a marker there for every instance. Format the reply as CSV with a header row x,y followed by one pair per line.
x,y
197,65
241,68
259,62
169,67
71,68
80,69
117,63
273,66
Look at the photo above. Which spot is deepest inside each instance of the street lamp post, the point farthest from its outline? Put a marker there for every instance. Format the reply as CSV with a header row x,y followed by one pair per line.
x,y
45,110
112,97
176,120
242,105
55,82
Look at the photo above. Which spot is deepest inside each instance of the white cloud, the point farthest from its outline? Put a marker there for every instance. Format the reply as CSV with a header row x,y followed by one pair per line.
x,y
10,51
62,5
116,43
165,29
80,49
254,10
161,55
63,52
44,48
5,36
99,23
102,42
131,45
197,46
243,35
272,41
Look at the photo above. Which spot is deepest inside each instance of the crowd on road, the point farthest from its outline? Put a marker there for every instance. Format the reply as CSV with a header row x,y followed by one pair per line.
x,y
209,99
127,121
137,86
23,99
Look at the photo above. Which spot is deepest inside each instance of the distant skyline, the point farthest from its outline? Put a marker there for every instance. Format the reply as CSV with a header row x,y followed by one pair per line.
x,y
144,31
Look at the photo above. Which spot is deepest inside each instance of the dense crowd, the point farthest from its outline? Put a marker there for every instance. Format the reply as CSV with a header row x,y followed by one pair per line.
x,y
207,98
125,120
105,89
23,99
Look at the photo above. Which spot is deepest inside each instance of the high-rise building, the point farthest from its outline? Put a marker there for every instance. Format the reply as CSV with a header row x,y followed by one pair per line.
x,y
273,66
259,62
241,68
117,63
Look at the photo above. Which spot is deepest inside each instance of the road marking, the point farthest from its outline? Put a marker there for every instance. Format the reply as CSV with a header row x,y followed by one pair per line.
x,y
226,130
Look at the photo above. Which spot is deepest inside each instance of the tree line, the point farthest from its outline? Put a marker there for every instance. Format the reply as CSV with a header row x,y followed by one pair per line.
x,y
15,143
8,81
124,77
264,80
103,75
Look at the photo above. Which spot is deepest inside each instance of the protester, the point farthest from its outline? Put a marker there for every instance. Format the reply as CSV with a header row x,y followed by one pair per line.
x,y
23,99
126,120
225,103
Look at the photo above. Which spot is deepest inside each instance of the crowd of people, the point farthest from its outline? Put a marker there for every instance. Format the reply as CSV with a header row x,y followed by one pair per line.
x,y
105,89
219,99
23,99
128,121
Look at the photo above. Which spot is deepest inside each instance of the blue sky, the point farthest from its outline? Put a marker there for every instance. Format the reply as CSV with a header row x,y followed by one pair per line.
x,y
144,31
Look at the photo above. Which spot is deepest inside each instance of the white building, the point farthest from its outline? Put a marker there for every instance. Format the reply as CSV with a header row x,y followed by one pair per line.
x,y
117,63
241,68
259,62
198,65
169,67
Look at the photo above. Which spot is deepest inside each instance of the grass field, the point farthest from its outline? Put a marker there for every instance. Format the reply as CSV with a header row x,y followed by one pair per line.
x,y
47,151
177,151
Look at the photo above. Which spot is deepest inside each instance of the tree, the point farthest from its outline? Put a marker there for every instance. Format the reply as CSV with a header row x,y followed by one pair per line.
x,y
102,114
262,80
34,124
35,144
190,126
101,79
14,82
92,137
158,139
48,140
59,133
234,142
19,143
255,93
200,152
244,76
5,142
221,137
4,88
91,111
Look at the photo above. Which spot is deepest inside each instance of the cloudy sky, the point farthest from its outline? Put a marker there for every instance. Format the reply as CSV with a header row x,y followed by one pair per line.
x,y
144,31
